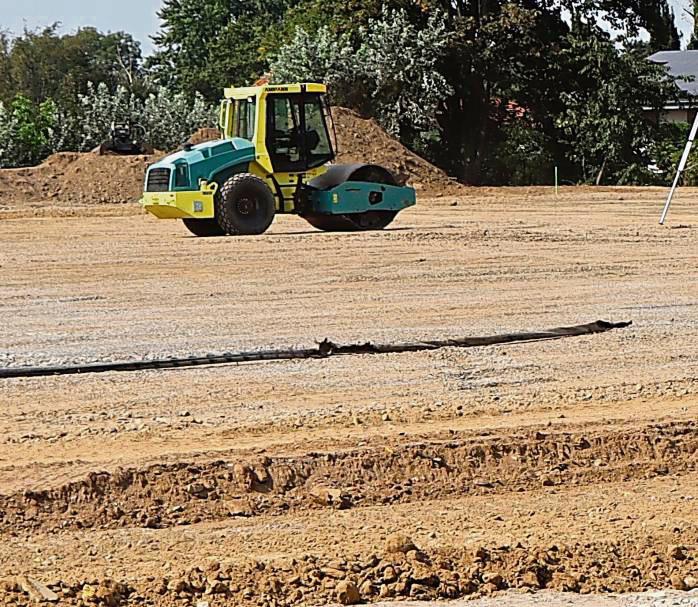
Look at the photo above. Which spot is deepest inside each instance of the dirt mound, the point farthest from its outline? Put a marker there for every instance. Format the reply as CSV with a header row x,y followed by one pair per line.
x,y
204,135
75,178
363,140
166,496
88,179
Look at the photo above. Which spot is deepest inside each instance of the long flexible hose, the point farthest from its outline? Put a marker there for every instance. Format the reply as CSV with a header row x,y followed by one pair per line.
x,y
324,349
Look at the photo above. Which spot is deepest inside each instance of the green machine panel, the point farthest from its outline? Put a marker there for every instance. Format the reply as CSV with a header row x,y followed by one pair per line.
x,y
358,197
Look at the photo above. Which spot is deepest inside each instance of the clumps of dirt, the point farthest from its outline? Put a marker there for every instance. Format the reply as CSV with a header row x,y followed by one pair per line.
x,y
363,140
613,566
165,495
79,179
204,135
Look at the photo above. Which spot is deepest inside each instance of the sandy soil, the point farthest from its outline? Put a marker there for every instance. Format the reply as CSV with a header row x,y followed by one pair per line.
x,y
554,599
568,465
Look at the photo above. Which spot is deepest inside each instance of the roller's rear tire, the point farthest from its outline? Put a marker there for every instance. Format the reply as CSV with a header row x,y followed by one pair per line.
x,y
203,227
244,205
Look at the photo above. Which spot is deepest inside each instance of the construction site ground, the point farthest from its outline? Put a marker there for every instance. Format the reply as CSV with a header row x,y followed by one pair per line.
x,y
569,465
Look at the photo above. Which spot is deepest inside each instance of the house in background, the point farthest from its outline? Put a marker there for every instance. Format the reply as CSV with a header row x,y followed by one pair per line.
x,y
684,66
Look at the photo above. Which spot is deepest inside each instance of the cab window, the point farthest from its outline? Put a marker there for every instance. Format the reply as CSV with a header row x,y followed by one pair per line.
x,y
284,132
244,120
297,136
319,149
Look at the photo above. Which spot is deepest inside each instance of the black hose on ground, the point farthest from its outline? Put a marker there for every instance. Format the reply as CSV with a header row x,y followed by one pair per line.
x,y
324,349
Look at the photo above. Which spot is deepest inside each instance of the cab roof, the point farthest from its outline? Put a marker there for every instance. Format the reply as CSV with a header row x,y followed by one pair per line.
x,y
254,91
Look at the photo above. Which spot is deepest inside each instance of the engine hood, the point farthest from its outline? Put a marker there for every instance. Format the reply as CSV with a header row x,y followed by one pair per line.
x,y
207,159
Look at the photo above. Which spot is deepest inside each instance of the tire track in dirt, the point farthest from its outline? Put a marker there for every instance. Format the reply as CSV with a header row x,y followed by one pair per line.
x,y
183,493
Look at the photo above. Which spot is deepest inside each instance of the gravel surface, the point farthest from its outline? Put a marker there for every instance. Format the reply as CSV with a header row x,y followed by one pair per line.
x,y
565,465
553,599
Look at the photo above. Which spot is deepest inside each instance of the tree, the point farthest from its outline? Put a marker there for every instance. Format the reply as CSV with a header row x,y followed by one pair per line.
x,y
25,131
206,45
98,108
170,118
6,83
43,64
508,56
693,13
658,19
323,56
387,68
499,56
604,125
342,17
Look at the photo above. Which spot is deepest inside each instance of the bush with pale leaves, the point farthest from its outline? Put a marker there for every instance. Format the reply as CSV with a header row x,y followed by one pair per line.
x,y
388,68
29,133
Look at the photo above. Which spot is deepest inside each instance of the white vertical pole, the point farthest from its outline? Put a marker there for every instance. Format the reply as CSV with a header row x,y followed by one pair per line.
x,y
682,166
557,189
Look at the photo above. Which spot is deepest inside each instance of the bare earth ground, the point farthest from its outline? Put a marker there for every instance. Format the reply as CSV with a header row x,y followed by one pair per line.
x,y
568,465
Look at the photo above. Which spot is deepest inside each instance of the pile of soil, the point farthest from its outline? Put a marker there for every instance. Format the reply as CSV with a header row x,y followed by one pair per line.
x,y
74,178
183,493
204,135
170,495
399,571
363,140
87,179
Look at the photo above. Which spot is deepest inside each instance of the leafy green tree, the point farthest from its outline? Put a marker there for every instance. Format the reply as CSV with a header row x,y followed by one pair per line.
x,y
666,151
98,108
6,83
693,42
521,155
170,118
342,17
604,124
517,54
664,35
323,56
499,55
206,45
25,131
387,68
43,64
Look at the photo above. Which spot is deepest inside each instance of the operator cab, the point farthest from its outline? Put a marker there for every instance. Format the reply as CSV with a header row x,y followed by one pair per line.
x,y
290,125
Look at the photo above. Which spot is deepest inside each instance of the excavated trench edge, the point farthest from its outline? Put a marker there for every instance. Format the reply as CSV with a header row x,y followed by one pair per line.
x,y
324,349
164,495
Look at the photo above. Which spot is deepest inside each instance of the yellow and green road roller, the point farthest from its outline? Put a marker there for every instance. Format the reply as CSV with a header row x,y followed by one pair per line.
x,y
276,156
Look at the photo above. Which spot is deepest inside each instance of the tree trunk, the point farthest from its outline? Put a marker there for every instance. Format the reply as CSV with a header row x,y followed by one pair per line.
x,y
599,177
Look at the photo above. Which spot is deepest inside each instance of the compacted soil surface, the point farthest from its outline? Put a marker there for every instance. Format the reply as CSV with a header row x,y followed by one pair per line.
x,y
546,472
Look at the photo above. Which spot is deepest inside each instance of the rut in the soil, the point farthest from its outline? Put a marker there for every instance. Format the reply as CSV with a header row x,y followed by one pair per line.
x,y
165,495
